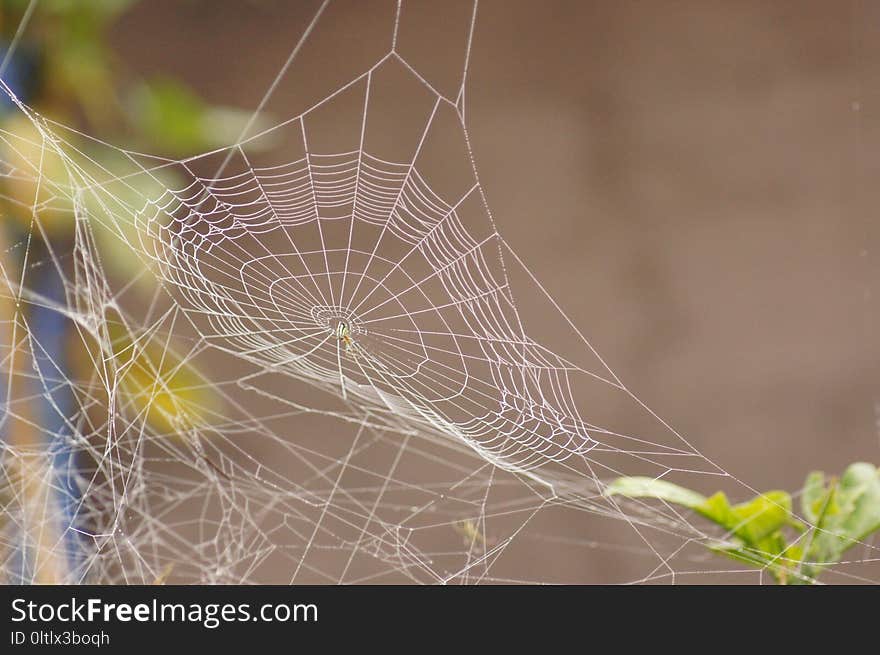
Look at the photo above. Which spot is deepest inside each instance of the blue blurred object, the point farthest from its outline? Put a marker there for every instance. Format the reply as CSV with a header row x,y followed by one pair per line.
x,y
55,412
49,327
22,75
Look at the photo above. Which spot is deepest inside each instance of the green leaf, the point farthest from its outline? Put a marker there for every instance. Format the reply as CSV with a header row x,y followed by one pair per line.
x,y
717,509
761,517
169,115
643,487
843,513
752,521
859,500
813,496
755,527
771,553
854,513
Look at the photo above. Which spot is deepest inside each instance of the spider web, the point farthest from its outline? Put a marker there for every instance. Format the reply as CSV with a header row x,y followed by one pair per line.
x,y
380,412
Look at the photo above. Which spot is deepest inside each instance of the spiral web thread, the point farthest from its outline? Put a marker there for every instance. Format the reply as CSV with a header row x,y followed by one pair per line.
x,y
437,439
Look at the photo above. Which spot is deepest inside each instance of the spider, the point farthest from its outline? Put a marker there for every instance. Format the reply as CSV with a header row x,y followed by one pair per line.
x,y
343,334
343,338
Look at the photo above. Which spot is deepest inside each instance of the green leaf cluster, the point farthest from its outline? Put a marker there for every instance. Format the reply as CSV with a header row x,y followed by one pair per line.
x,y
763,532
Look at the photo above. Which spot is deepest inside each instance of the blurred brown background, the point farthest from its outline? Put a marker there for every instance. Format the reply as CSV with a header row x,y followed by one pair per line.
x,y
693,181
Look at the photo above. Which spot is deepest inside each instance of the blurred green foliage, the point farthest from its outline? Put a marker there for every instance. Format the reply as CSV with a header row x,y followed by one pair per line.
x,y
82,83
154,378
84,79
764,532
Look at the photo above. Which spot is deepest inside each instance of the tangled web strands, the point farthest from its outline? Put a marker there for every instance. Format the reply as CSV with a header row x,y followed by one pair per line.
x,y
339,284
